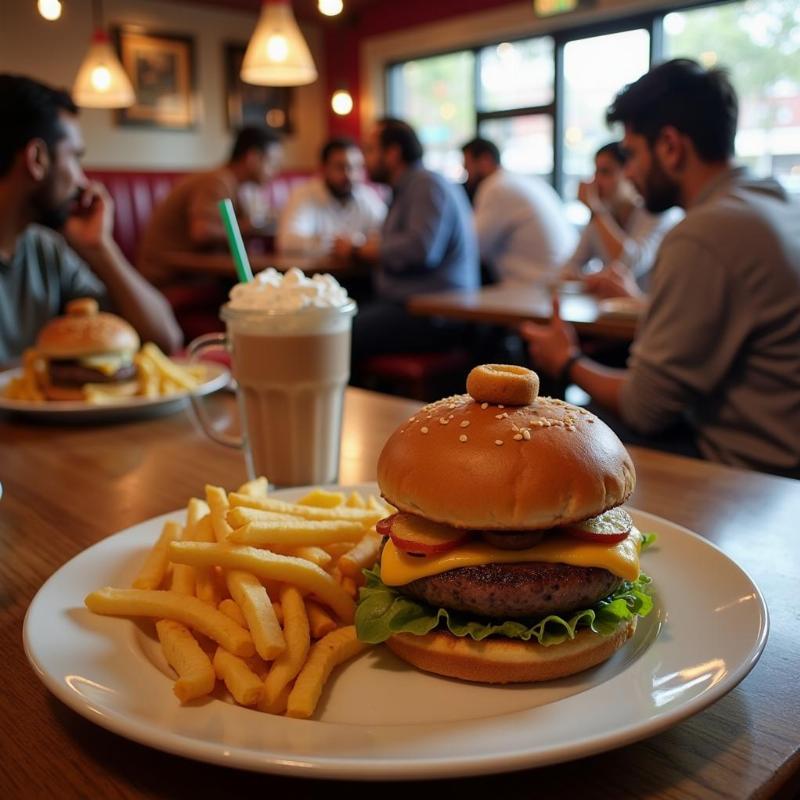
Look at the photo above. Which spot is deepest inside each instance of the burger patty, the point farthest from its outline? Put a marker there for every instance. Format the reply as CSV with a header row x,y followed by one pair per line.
x,y
508,591
73,373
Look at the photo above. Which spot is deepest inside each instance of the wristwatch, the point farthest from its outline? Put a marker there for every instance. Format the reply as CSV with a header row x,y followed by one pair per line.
x,y
565,372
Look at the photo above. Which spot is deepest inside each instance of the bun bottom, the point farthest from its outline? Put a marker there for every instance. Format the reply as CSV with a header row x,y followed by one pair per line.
x,y
78,393
507,660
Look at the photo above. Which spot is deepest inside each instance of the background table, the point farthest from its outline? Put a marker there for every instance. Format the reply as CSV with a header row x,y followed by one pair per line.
x,y
513,305
67,487
221,264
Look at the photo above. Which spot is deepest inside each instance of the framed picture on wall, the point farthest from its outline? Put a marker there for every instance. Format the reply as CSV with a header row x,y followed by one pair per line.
x,y
161,68
248,104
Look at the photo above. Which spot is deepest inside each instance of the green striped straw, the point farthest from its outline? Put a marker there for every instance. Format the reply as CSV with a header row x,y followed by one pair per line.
x,y
235,242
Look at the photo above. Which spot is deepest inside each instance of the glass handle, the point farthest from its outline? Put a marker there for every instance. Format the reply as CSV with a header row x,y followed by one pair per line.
x,y
208,341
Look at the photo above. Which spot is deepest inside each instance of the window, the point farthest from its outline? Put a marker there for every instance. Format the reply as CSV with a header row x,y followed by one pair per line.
x,y
516,75
759,41
588,91
525,142
436,96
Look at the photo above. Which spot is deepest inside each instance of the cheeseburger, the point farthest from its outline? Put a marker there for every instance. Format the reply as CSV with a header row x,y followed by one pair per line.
x,y
87,346
510,558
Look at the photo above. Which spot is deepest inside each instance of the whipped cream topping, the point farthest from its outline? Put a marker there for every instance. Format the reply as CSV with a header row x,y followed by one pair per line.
x,y
271,290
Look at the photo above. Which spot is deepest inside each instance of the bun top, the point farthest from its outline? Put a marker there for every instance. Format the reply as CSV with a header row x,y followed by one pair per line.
x,y
85,331
489,466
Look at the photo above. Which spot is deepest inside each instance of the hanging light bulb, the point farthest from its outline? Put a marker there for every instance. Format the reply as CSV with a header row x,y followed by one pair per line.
x,y
277,54
49,9
342,102
102,81
330,8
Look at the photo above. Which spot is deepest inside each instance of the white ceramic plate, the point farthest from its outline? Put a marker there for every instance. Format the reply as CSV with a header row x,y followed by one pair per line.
x,y
379,718
127,408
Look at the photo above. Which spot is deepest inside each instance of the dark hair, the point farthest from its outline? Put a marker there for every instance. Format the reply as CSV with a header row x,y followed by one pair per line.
x,y
615,150
394,131
478,147
253,137
700,103
335,144
29,110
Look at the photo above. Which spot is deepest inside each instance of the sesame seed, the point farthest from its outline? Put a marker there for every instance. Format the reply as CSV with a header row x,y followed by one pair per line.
x,y
526,434
412,419
484,406
501,406
571,427
423,429
462,438
517,437
498,441
443,420
465,423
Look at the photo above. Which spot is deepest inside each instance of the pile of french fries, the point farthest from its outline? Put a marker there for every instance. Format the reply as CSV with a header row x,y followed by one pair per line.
x,y
256,592
156,376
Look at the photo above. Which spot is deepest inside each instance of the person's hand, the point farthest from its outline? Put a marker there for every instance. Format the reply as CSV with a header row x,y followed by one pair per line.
x,y
91,224
615,280
551,345
587,194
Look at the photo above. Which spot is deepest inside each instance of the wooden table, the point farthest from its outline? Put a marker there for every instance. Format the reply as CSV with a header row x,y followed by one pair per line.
x,y
67,487
513,305
221,264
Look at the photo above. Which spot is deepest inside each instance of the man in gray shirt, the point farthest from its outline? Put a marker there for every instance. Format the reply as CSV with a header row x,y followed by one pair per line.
x,y
41,181
426,245
718,349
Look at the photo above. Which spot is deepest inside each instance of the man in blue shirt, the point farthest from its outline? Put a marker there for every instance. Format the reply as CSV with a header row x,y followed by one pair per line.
x,y
426,244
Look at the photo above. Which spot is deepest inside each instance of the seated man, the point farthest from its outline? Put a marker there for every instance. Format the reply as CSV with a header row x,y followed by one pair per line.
x,y
426,245
332,213
189,219
42,184
620,234
718,350
522,230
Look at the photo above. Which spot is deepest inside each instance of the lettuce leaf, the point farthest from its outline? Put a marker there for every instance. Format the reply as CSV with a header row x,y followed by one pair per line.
x,y
382,611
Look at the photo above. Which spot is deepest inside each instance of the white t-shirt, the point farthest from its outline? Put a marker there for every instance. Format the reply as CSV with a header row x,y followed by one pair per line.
x,y
313,218
521,226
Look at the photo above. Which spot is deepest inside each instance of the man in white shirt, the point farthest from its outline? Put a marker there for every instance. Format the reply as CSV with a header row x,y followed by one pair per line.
x,y
335,211
522,230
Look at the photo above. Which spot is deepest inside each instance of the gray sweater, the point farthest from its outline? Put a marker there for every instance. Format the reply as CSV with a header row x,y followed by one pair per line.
x,y
720,342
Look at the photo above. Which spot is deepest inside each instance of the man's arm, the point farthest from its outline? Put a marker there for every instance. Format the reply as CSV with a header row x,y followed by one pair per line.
x,y
297,231
89,234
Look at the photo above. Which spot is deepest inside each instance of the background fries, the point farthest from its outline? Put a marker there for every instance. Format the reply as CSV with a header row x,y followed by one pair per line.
x,y
271,583
156,376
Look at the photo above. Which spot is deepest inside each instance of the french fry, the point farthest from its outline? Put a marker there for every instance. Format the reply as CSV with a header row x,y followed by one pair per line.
x,y
241,681
196,509
379,504
229,608
350,586
196,677
355,500
207,586
319,620
252,599
268,566
295,532
366,516
239,516
278,706
362,556
149,383
152,572
322,558
337,550
218,504
322,498
190,611
258,487
169,370
330,651
290,662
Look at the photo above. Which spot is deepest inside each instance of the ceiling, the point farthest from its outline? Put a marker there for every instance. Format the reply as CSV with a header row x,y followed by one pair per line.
x,y
303,9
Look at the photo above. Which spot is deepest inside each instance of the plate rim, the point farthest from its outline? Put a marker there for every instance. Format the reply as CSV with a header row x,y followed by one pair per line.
x,y
366,769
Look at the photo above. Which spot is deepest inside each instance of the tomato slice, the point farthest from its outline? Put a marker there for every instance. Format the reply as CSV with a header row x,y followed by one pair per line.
x,y
609,527
384,526
419,536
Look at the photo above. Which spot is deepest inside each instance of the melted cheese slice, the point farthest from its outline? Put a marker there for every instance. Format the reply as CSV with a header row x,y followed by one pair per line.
x,y
621,559
107,364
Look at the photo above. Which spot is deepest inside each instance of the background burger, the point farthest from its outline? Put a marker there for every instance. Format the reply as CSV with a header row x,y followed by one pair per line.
x,y
87,346
510,559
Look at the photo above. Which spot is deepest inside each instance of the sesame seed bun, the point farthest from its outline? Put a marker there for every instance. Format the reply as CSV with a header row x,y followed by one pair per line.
x,y
488,467
85,331
499,660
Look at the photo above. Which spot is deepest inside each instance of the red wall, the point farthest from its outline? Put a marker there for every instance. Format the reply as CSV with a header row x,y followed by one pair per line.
x,y
343,38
